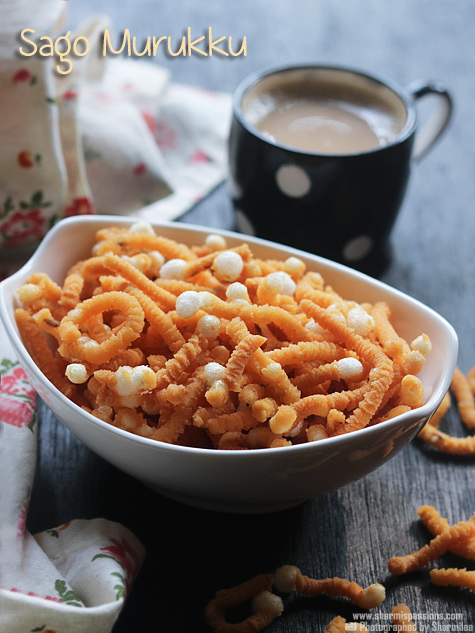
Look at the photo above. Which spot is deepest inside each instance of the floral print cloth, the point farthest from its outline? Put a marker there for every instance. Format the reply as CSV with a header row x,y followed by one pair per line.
x,y
73,578
114,136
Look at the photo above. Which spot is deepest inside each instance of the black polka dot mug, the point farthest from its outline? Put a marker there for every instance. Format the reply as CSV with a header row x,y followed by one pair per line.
x,y
320,156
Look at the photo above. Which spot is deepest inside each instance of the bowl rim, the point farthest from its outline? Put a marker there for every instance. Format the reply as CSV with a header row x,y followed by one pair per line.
x,y
414,415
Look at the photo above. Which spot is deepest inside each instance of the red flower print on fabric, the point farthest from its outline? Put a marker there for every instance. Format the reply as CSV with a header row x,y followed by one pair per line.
x,y
140,168
70,94
17,412
121,551
25,159
35,595
22,227
150,120
18,396
79,206
199,157
165,136
21,76
20,527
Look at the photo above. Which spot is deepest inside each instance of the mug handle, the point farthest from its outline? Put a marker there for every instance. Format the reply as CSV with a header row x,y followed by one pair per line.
x,y
437,121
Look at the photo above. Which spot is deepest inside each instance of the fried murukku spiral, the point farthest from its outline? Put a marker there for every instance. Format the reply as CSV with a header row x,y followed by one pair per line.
x,y
211,346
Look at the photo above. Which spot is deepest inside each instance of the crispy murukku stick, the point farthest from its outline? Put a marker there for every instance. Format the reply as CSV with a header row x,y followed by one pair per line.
x,y
436,524
41,353
164,299
46,322
465,398
174,426
311,287
471,379
177,286
447,443
158,319
181,361
93,268
237,421
380,376
402,619
260,315
457,533
72,288
50,289
385,332
454,577
322,404
166,246
240,356
263,437
79,346
271,372
289,578
232,440
441,410
264,408
266,606
306,351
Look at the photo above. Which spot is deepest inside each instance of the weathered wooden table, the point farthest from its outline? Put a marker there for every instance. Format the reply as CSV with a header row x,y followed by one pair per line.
x,y
354,531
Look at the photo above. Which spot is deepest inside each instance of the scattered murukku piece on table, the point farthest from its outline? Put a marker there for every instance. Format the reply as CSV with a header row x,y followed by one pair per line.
x,y
266,606
454,577
431,434
289,578
453,535
465,398
436,524
401,617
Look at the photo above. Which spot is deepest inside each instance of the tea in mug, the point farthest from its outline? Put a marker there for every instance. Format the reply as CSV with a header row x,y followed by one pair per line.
x,y
324,117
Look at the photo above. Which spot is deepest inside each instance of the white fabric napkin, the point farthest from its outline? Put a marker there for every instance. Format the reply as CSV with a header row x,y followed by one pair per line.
x,y
72,578
113,136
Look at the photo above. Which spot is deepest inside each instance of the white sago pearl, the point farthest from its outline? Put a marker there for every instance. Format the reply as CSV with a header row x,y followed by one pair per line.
x,y
228,266
216,242
124,385
294,266
142,228
236,291
173,269
349,368
213,372
29,292
157,259
76,373
143,378
188,304
360,321
314,328
209,326
422,344
283,281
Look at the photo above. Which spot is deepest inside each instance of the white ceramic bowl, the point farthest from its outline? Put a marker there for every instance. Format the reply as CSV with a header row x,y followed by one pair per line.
x,y
262,480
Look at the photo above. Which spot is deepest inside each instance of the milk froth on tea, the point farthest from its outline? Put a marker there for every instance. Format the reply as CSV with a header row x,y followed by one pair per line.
x,y
323,116
323,126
